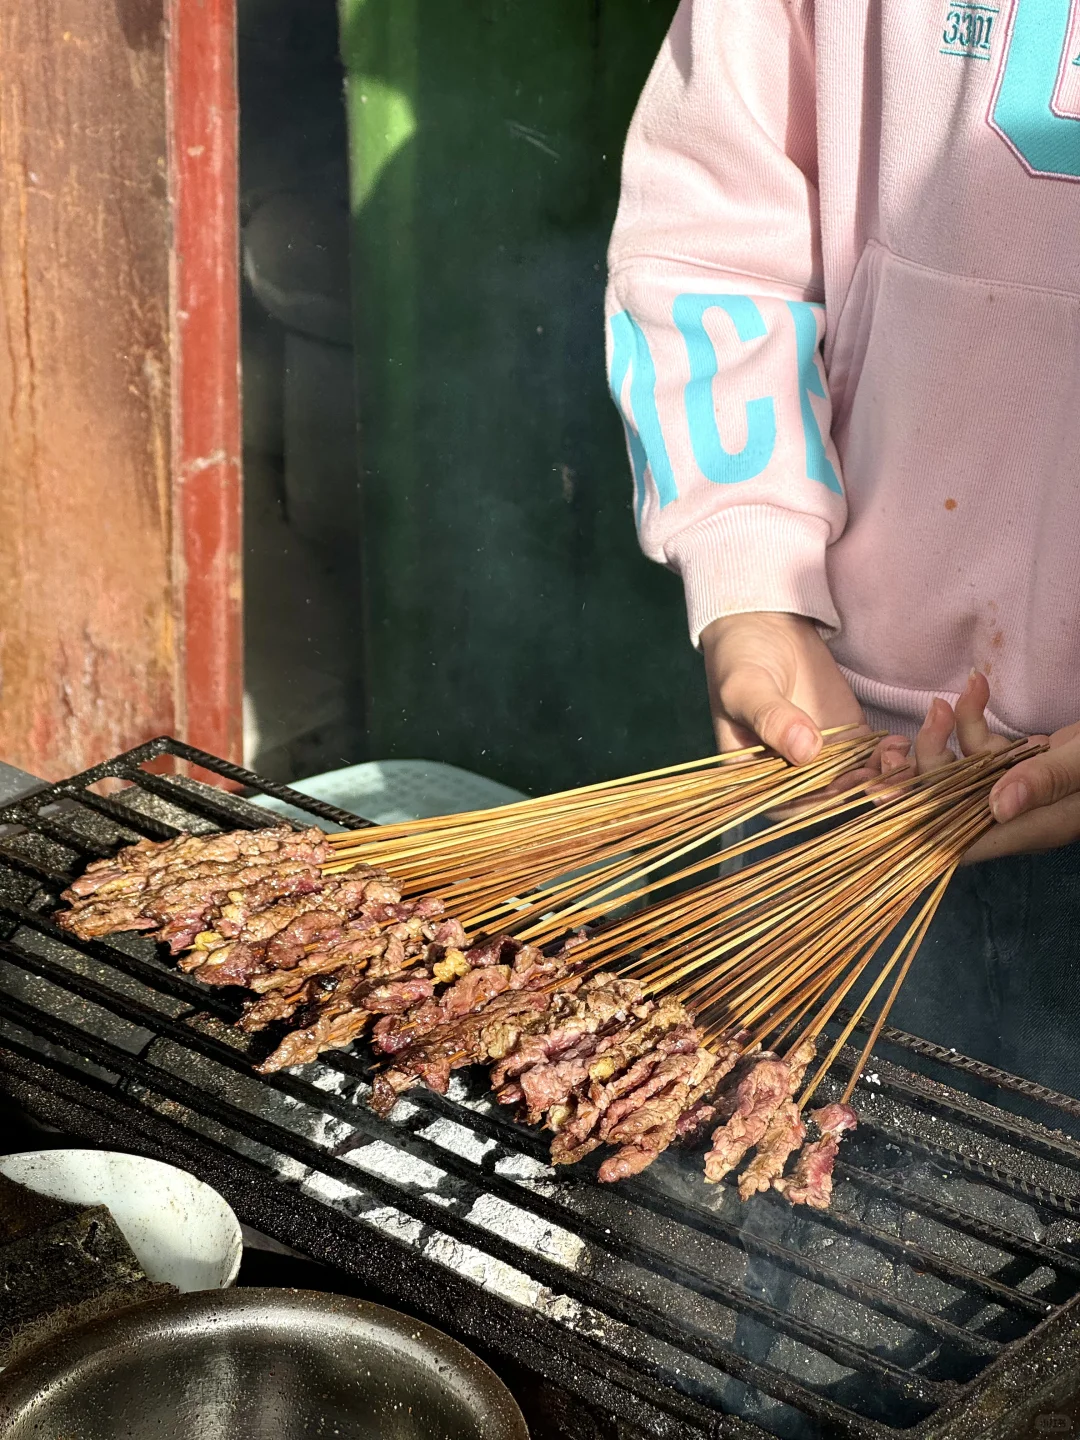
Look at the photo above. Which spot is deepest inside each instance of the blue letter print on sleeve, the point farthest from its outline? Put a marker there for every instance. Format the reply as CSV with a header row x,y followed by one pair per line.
x,y
646,439
1048,144
818,466
714,462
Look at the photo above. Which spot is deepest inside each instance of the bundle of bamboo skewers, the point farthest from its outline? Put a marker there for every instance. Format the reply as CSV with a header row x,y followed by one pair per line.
x,y
771,951
611,885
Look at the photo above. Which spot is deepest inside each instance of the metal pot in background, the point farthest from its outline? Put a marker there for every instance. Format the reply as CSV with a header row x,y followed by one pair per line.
x,y
257,1365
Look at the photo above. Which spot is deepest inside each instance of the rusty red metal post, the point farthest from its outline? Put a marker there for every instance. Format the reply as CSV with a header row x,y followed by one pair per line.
x,y
203,170
120,506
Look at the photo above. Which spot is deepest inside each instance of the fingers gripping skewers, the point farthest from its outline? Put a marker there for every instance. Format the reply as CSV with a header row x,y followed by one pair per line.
x,y
699,1013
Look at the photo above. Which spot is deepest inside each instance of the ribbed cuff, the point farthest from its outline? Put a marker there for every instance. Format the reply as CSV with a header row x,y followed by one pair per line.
x,y
754,557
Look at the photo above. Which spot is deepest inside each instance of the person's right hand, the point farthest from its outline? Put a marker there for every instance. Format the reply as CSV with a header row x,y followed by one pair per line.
x,y
773,679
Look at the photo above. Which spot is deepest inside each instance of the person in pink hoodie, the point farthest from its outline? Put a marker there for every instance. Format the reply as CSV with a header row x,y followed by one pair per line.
x,y
843,326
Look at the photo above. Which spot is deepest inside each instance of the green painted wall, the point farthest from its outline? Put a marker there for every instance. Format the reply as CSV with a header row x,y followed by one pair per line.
x,y
511,625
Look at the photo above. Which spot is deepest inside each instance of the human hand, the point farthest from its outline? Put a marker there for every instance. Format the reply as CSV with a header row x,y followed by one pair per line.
x,y
1036,804
773,679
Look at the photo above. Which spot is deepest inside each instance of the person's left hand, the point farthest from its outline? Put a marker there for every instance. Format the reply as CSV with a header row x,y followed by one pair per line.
x,y
1036,803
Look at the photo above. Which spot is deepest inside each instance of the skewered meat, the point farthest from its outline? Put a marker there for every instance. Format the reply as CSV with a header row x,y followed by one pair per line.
x,y
573,1050
177,881
648,1131
571,1016
671,1058
459,1042
626,1082
812,1179
786,1133
278,937
342,1012
130,869
356,943
756,1099
595,1060
703,1103
490,967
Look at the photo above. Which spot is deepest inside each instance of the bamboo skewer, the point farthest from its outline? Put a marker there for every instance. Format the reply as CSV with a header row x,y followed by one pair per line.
x,y
776,949
768,953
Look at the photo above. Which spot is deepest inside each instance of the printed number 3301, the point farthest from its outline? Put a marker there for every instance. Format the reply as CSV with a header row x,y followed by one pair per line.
x,y
968,30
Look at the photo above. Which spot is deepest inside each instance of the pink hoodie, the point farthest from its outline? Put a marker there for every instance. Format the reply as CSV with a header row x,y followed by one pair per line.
x,y
897,180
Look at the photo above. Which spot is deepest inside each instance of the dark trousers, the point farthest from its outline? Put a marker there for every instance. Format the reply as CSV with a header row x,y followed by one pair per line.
x,y
998,975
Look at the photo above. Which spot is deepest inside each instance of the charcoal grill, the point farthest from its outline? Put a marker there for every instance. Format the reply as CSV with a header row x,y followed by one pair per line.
x,y
938,1298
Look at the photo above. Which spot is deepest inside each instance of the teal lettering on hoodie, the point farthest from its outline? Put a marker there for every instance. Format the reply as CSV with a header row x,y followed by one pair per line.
x,y
818,465
715,462
1048,144
644,435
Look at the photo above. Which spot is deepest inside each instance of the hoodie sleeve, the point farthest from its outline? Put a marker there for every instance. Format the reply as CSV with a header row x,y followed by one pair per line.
x,y
715,316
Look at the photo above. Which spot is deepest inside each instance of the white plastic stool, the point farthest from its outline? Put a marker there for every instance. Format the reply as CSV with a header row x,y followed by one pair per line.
x,y
385,791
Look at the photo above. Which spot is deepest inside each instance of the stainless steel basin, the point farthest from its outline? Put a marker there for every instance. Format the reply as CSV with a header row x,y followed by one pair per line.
x,y
256,1365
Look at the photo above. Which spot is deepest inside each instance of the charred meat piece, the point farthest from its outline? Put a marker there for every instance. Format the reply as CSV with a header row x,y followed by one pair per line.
x,y
638,1033
662,1065
749,1110
550,1066
341,1013
283,936
250,895
632,1159
670,1058
91,921
575,1011
757,1097
532,967
488,971
131,868
278,1005
647,1131
340,944
811,1181
177,883
544,1086
182,918
702,1105
786,1133
644,1107
577,1137
459,1042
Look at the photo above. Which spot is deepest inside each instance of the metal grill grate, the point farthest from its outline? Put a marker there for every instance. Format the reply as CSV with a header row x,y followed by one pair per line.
x,y
934,1291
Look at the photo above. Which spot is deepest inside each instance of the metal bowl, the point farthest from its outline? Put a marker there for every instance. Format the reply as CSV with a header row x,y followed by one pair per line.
x,y
256,1365
182,1232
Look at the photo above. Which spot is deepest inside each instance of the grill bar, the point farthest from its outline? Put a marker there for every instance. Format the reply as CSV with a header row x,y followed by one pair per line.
x,y
906,1252
1000,1179
226,815
993,1235
711,1223
135,824
25,866
979,1069
917,1256
58,1095
1013,1131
